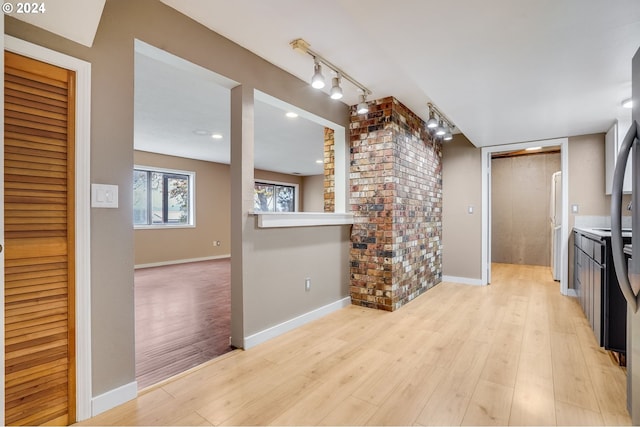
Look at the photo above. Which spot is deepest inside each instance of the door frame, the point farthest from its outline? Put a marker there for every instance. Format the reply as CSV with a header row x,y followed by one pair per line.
x,y
83,215
563,143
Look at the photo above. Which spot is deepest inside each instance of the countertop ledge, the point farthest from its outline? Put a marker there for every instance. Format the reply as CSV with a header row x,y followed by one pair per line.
x,y
301,219
598,232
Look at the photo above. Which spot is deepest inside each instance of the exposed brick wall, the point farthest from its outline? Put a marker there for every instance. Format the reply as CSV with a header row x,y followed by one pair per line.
x,y
396,197
329,170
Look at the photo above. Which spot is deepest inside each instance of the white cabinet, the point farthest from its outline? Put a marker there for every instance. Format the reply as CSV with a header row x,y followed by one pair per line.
x,y
612,141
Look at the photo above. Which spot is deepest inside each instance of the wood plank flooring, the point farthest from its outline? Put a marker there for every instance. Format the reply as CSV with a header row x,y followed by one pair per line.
x,y
183,317
513,353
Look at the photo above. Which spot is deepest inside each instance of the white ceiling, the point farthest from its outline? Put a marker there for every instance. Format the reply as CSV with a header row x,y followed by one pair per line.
x,y
503,71
179,105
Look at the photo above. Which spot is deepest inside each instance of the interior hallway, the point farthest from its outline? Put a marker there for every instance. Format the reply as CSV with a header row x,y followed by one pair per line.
x,y
515,352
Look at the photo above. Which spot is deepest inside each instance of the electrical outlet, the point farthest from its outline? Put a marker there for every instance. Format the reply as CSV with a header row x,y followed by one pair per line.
x,y
307,284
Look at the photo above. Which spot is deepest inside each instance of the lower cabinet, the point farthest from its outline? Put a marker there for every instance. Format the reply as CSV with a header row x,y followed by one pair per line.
x,y
596,285
588,280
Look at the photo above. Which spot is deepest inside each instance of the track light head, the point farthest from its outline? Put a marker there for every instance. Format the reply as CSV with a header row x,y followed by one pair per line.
x,y
362,107
448,136
317,81
432,123
440,131
336,90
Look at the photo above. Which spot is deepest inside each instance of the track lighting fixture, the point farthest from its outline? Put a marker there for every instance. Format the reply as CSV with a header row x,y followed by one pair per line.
x,y
362,107
438,124
432,123
336,90
318,82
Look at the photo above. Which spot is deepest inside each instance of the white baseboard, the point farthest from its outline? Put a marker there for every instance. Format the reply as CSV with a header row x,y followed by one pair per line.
x,y
572,293
274,331
113,398
181,261
463,280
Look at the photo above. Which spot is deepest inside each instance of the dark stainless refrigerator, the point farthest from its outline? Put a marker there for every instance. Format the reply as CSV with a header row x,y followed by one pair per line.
x,y
628,270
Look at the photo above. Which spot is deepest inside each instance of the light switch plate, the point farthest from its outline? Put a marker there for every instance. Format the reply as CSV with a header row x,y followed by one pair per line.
x,y
575,209
104,196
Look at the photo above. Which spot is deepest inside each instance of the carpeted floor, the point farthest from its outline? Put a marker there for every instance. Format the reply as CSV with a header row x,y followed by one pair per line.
x,y
183,317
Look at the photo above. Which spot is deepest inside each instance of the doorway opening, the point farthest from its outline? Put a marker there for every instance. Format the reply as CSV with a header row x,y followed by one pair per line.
x,y
523,199
181,190
489,221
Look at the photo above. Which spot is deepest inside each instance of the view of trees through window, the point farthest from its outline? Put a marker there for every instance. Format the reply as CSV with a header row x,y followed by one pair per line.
x,y
161,198
274,197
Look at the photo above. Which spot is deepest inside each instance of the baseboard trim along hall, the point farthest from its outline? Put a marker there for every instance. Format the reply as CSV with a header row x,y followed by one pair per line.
x,y
113,398
462,280
181,261
274,331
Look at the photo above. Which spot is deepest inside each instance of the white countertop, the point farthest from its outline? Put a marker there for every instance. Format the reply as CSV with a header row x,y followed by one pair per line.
x,y
599,232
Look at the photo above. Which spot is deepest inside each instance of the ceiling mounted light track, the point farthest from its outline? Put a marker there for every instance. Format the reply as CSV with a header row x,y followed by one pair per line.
x,y
318,82
438,125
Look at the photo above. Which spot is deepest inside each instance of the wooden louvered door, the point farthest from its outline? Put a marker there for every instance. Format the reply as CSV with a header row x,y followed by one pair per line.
x,y
39,110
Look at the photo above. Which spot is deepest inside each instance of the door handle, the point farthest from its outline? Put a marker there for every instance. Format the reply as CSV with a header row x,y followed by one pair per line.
x,y
616,219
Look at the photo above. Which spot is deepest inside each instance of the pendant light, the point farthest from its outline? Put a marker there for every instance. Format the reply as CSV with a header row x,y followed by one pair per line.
x,y
317,81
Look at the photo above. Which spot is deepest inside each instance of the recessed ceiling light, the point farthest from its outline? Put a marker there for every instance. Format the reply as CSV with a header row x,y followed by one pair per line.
x,y
201,132
627,103
291,115
533,149
319,161
216,136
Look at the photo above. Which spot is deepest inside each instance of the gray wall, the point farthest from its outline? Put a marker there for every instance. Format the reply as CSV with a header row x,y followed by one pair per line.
x,y
520,207
461,187
280,260
587,183
111,56
313,196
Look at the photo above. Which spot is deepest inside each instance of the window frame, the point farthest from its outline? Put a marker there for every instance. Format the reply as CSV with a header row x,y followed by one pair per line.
x,y
296,192
192,197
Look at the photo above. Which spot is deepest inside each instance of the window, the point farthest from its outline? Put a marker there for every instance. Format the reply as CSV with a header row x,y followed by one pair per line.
x,y
162,197
274,197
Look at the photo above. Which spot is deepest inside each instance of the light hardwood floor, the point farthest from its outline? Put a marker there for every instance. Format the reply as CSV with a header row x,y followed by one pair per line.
x,y
513,353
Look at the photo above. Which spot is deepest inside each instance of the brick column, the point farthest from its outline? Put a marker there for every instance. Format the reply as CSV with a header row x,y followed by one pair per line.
x,y
396,197
329,170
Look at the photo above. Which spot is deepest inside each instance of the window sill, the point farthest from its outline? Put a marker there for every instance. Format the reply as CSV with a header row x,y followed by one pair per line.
x,y
301,219
162,227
